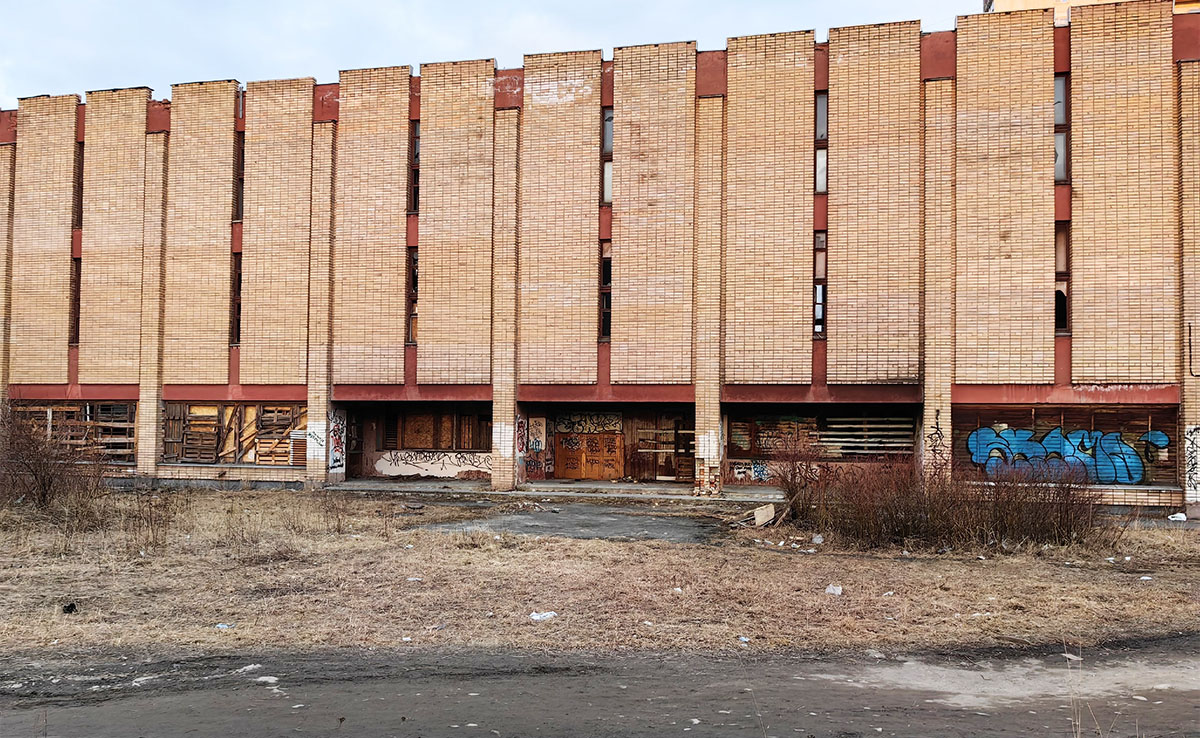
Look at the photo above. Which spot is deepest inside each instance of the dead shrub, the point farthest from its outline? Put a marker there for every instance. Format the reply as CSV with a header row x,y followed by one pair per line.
x,y
882,502
147,518
335,511
48,473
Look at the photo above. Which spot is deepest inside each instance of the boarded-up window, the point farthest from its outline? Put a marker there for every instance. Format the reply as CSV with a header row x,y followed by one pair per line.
x,y
108,429
262,434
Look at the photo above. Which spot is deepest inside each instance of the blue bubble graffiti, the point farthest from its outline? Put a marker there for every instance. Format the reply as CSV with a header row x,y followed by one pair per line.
x,y
1105,457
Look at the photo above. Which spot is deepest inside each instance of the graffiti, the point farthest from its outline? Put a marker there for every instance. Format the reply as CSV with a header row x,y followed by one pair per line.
x,y
537,435
1104,457
337,440
572,443
534,468
1191,462
936,450
521,431
588,423
754,470
460,464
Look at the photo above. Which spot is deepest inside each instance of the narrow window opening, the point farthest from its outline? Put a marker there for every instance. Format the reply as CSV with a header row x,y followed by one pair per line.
x,y
414,166
822,177
820,239
605,290
411,330
606,154
1062,278
77,188
76,278
822,116
1062,128
235,301
239,181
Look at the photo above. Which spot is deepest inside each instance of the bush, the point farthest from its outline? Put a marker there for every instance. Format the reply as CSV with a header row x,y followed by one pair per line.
x,y
884,502
48,474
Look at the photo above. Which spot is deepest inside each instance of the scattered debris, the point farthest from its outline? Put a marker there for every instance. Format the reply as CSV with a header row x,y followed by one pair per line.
x,y
940,550
818,539
225,626
70,608
267,680
1177,517
873,654
538,617
764,514
834,589
889,593
415,579
1146,579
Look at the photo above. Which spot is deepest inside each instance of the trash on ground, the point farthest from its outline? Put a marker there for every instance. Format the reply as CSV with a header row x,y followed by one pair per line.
x,y
538,617
818,539
1177,517
763,515
225,626
1146,579
833,589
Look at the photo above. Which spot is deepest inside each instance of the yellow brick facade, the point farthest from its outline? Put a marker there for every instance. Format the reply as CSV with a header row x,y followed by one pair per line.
x,y
369,256
769,249
1189,123
938,258
320,283
199,213
7,168
1125,194
560,189
456,223
1004,270
710,237
153,293
506,243
874,292
110,294
275,231
654,114
41,245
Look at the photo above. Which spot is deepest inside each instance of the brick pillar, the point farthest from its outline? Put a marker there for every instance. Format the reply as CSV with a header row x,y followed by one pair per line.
x,y
149,415
938,259
709,234
7,165
326,458
1189,421
505,238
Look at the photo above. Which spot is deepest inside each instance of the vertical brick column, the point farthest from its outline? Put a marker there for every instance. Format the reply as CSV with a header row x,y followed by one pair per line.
x,y
199,212
1189,422
150,365
8,154
710,241
320,455
369,255
1004,219
41,246
1124,195
275,223
874,204
110,290
505,240
654,109
768,275
937,236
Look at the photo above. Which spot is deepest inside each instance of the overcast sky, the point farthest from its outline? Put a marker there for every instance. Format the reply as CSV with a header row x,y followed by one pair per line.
x,y
56,47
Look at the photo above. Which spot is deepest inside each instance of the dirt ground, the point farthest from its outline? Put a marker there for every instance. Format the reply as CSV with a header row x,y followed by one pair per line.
x,y
228,572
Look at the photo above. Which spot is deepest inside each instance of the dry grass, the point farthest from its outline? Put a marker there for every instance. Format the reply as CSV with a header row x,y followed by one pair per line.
x,y
274,564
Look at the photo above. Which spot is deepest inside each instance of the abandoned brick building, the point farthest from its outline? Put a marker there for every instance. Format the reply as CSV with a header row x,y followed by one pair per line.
x,y
976,245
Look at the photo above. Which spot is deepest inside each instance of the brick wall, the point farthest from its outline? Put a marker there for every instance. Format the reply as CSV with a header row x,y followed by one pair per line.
x,y
768,251
153,294
1005,200
320,241
653,161
456,222
8,161
199,210
369,255
41,247
1125,194
874,292
710,236
1189,120
938,280
560,190
110,295
275,228
505,239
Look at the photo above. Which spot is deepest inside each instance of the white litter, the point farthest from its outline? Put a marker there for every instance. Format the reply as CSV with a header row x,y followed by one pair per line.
x,y
743,639
297,707
267,679
225,626
406,639
1177,517
889,593
1072,657
833,589
409,546
538,617
818,539
1146,579
1140,698
249,668
415,579
678,590
647,622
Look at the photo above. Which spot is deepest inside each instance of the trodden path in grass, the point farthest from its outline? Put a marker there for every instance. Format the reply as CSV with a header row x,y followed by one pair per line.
x,y
1150,689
